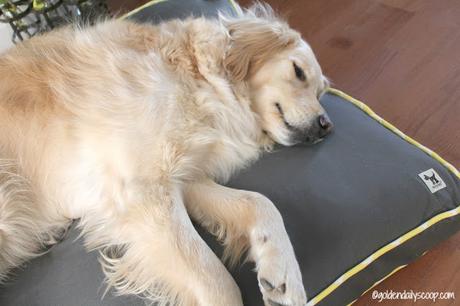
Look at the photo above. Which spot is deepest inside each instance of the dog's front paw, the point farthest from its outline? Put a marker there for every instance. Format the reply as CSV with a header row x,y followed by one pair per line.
x,y
280,281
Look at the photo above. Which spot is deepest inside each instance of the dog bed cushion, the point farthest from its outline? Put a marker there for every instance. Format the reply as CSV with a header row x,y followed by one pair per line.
x,y
358,206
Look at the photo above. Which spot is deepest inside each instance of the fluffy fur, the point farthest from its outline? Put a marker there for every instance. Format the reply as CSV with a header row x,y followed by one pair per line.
x,y
128,127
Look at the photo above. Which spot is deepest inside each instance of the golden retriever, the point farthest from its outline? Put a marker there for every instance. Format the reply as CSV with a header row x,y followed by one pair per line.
x,y
130,128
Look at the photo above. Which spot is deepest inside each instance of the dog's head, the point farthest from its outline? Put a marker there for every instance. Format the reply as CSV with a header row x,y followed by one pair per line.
x,y
282,73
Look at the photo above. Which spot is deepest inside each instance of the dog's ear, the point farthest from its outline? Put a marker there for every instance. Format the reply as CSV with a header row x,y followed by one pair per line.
x,y
255,37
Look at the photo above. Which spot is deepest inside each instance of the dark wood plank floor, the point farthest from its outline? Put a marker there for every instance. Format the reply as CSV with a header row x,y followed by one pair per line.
x,y
402,57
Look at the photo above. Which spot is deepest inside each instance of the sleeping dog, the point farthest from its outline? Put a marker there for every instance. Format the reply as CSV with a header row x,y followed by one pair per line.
x,y
132,129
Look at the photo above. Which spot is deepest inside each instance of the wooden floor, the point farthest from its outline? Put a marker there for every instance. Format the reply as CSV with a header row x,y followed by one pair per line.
x,y
402,57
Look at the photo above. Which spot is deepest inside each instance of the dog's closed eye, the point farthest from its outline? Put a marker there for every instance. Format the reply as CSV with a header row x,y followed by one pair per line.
x,y
299,73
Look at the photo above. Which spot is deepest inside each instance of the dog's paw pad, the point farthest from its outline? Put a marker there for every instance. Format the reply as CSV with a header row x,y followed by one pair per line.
x,y
270,287
281,284
266,284
282,288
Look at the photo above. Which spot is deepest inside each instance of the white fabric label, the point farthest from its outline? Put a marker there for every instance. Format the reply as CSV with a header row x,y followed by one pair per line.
x,y
432,180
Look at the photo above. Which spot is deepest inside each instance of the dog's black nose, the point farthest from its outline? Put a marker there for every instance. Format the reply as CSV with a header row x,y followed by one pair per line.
x,y
325,125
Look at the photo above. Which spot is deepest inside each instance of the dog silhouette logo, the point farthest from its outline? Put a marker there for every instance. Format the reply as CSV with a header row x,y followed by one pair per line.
x,y
432,180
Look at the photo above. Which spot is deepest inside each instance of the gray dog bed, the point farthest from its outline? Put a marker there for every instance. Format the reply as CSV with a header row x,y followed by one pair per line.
x,y
358,206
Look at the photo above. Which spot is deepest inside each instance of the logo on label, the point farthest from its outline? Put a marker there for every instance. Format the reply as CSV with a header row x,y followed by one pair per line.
x,y
432,180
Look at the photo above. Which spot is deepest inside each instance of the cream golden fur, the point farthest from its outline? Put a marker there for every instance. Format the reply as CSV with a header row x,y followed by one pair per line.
x,y
129,127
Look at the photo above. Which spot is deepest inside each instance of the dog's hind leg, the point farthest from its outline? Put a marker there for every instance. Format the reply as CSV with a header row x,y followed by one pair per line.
x,y
244,219
25,232
150,247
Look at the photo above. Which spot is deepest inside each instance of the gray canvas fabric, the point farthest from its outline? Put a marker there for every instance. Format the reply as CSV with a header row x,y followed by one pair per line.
x,y
341,200
181,9
350,195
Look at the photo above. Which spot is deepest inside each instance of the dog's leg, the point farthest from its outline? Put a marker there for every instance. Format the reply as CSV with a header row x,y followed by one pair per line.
x,y
150,247
244,218
26,229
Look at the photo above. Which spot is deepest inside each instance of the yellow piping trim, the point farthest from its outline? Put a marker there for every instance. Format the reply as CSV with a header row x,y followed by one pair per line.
x,y
150,3
414,232
235,6
352,302
391,127
378,282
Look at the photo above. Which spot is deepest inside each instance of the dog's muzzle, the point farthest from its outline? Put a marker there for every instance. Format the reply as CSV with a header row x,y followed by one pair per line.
x,y
325,125
321,127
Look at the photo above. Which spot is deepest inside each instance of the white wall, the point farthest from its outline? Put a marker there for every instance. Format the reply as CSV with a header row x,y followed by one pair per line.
x,y
5,36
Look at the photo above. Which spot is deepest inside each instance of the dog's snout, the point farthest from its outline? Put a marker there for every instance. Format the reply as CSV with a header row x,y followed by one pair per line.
x,y
317,130
324,122
325,125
